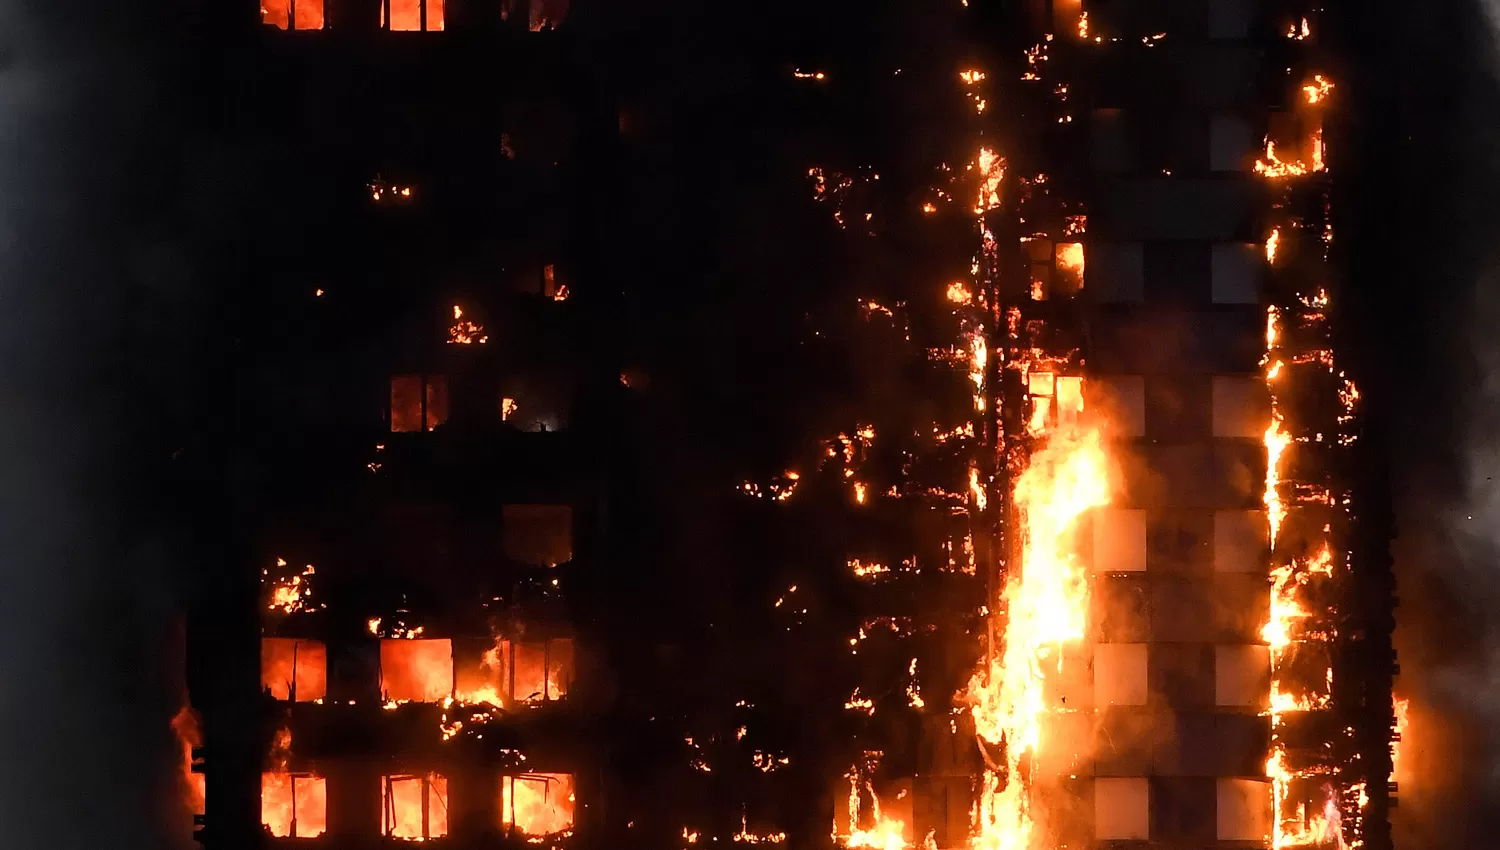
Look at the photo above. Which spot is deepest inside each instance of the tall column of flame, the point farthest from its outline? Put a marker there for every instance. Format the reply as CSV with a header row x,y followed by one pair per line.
x,y
1045,605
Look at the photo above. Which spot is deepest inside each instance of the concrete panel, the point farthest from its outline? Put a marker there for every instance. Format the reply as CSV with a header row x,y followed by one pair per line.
x,y
1231,144
1150,208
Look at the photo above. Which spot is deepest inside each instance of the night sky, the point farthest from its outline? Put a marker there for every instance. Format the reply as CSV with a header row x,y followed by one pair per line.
x,y
129,191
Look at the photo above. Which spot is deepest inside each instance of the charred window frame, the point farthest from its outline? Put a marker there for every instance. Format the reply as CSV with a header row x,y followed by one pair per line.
x,y
555,814
432,791
417,402
412,15
290,800
556,657
1055,267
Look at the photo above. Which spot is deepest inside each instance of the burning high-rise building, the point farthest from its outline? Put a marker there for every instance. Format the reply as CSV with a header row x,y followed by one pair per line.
x,y
1017,505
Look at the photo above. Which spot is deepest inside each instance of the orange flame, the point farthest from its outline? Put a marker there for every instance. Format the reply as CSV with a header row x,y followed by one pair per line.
x,y
1046,603
537,804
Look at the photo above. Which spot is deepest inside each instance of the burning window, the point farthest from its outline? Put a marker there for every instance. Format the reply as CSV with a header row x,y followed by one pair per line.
x,y
293,805
414,807
1069,269
293,669
541,535
416,670
301,14
1119,540
418,402
542,670
1055,399
518,672
537,804
1121,809
1244,810
1119,674
412,15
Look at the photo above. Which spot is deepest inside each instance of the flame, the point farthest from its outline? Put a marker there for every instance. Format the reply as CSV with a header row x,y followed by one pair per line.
x,y
402,802
809,75
416,670
290,593
959,294
291,805
1402,708
186,726
1046,603
884,833
1070,257
991,173
1272,242
1318,89
464,331
537,804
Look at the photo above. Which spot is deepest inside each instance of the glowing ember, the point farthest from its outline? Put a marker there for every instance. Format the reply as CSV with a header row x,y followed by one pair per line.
x,y
290,593
537,804
991,173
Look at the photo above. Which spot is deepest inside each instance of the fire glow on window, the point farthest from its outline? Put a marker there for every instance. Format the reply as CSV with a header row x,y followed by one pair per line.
x,y
537,804
416,670
517,672
293,805
409,15
414,807
289,666
302,14
418,403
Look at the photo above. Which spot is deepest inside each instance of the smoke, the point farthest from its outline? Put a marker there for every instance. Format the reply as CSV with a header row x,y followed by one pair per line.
x,y
85,608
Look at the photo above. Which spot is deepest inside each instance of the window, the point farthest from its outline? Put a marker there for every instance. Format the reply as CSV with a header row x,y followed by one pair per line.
x,y
1119,540
1117,272
292,669
418,402
1242,675
293,805
536,804
515,673
1119,674
416,670
1056,400
412,15
1229,19
1056,268
1241,407
540,535
1120,402
1121,809
1241,541
1109,142
1235,273
540,14
1231,145
301,14
1244,810
414,807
